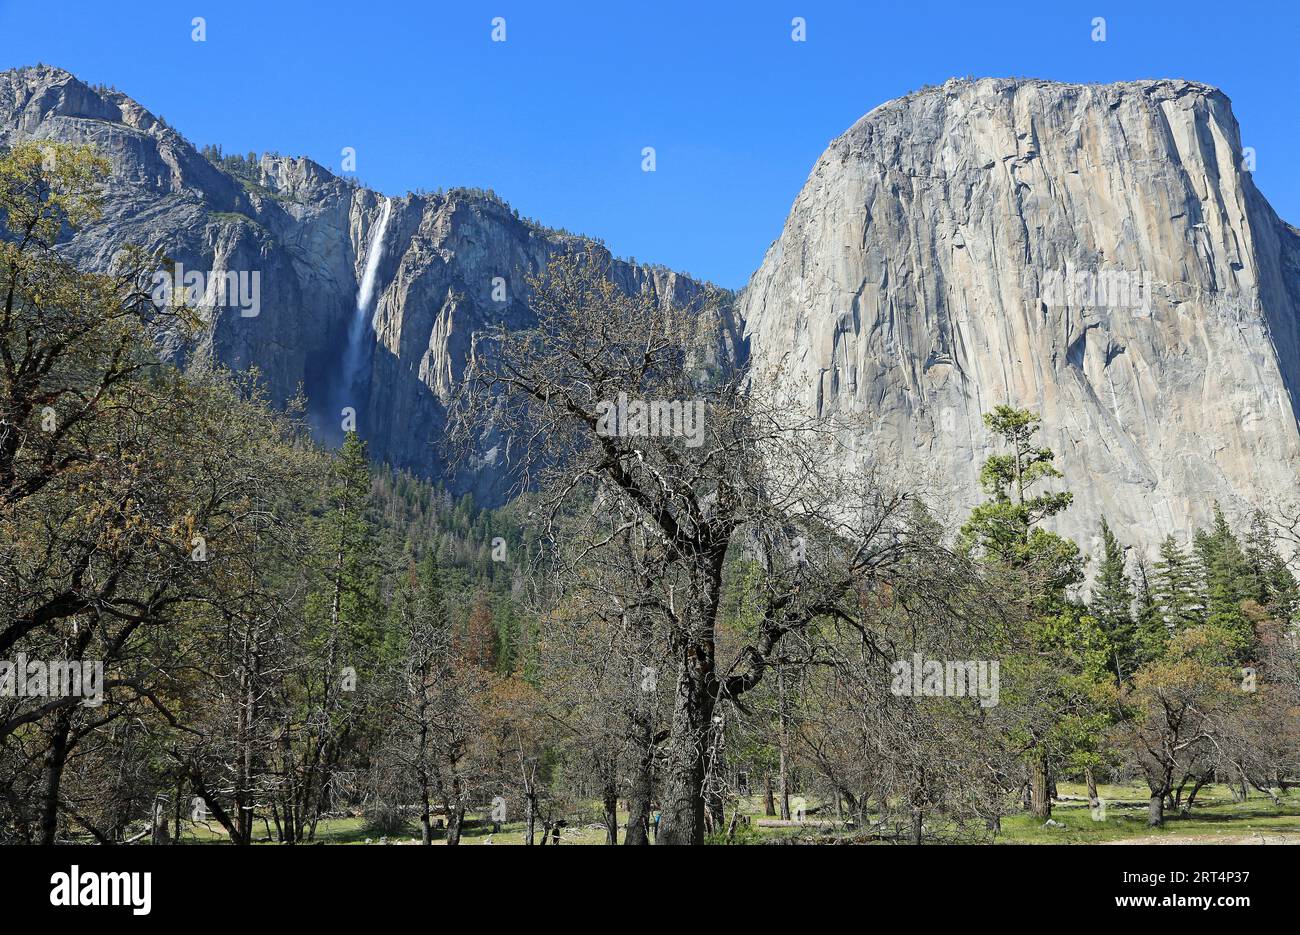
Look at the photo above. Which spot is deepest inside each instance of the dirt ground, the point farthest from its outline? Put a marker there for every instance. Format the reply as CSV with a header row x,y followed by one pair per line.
x,y
1259,838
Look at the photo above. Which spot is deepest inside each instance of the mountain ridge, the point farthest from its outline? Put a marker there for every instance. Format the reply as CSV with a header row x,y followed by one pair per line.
x,y
452,263
909,286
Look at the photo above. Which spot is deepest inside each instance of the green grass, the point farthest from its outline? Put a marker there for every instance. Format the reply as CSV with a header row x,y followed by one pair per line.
x,y
1214,816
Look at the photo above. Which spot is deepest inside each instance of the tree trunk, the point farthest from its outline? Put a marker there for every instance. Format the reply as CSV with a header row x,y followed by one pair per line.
x,y
638,800
769,803
422,742
455,819
1177,803
160,835
783,768
1094,802
283,830
683,806
731,828
856,807
454,807
610,799
426,822
176,823
1040,801
530,817
1156,810
244,733
54,763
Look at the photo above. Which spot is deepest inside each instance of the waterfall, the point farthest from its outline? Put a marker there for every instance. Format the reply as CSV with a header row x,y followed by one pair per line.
x,y
373,256
353,353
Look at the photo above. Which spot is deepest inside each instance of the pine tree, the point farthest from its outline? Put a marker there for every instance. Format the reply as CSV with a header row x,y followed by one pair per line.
x,y
1005,528
1005,532
431,599
507,635
354,575
1177,589
1152,636
1227,582
1269,582
1112,605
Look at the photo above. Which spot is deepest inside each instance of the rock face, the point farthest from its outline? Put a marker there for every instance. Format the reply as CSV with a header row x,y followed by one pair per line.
x,y
452,264
1095,253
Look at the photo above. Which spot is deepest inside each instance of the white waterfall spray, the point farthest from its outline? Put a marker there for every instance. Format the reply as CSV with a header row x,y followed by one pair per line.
x,y
353,353
373,256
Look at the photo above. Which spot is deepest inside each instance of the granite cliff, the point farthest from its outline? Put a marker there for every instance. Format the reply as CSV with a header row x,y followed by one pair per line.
x,y
452,263
1096,253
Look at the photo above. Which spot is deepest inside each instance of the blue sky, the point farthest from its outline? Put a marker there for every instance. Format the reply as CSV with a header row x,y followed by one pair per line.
x,y
555,118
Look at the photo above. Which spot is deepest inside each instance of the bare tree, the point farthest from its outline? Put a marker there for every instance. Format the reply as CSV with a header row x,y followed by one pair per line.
x,y
614,400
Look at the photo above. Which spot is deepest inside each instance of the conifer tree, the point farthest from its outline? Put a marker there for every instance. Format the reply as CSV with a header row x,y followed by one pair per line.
x,y
1006,528
1112,605
1005,532
1151,634
1269,582
1177,587
1228,582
